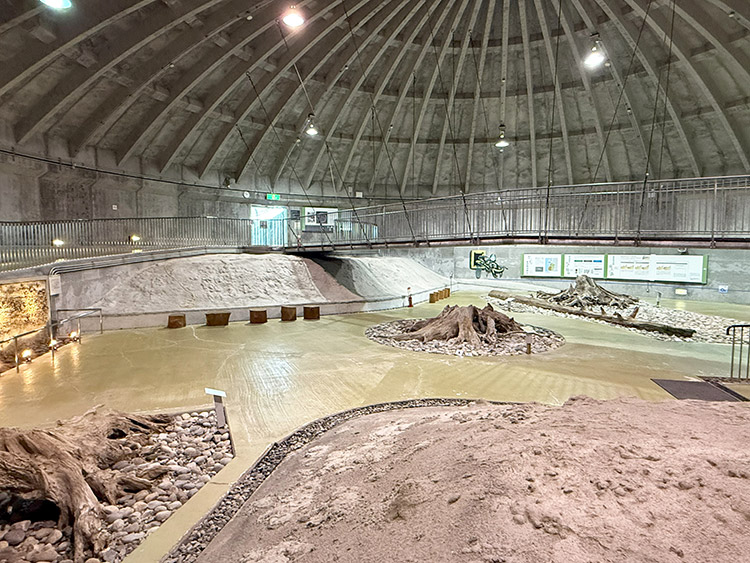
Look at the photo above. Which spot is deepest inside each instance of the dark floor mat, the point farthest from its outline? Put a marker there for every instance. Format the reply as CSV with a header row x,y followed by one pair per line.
x,y
700,390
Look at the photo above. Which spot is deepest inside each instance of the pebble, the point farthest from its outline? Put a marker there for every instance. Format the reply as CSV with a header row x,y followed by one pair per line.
x,y
14,537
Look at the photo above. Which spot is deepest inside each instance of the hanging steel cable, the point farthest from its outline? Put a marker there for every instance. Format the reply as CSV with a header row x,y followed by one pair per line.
x,y
451,133
487,130
666,93
653,129
380,126
278,139
332,163
610,128
543,239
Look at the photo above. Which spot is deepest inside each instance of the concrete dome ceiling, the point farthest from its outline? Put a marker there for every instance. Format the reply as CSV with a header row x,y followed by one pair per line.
x,y
406,94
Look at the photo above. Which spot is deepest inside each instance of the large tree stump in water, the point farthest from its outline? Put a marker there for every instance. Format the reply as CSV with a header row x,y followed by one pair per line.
x,y
462,324
70,466
585,293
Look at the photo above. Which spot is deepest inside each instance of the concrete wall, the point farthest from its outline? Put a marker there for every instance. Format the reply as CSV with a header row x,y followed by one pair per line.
x,y
32,191
725,267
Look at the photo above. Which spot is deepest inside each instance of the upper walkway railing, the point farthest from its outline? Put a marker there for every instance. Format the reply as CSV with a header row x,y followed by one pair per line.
x,y
702,209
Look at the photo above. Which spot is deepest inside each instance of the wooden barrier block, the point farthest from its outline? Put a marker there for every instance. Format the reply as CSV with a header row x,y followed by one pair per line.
x,y
433,297
176,321
312,313
442,294
217,319
447,291
289,313
258,316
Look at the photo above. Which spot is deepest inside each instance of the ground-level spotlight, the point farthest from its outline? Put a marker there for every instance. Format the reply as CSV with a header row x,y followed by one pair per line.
x,y
26,355
58,242
74,336
54,344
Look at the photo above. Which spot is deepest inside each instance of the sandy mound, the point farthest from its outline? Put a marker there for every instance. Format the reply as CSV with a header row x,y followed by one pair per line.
x,y
221,281
623,480
379,277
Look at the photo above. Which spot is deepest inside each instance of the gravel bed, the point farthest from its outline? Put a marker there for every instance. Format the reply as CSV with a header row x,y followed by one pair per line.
x,y
708,328
191,546
508,344
192,450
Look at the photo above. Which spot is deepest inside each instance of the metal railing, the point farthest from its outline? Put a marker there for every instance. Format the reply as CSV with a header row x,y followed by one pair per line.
x,y
25,245
707,209
704,208
739,367
48,337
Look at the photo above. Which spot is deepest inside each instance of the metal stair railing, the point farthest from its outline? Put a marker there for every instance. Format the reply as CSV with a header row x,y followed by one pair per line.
x,y
741,355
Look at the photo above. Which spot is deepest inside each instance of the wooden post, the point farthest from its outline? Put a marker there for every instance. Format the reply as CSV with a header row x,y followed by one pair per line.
x,y
311,312
433,297
258,316
289,313
447,291
176,321
217,319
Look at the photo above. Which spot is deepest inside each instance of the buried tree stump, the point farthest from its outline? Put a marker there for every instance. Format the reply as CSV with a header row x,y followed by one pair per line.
x,y
176,321
217,319
258,316
289,313
462,324
69,469
312,313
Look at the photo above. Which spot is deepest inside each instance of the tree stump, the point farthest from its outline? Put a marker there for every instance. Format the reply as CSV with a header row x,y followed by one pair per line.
x,y
289,313
462,324
585,293
311,313
70,467
217,319
176,321
258,316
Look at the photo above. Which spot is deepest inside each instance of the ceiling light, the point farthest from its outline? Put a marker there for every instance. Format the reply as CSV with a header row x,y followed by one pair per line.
x,y
58,242
293,18
58,4
310,129
595,58
135,238
502,142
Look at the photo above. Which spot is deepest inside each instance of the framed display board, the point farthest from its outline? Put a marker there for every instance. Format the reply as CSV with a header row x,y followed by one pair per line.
x,y
542,265
629,267
679,268
592,265
685,269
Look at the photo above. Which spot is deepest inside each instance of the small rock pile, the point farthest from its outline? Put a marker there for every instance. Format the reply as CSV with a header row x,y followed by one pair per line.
x,y
508,344
186,456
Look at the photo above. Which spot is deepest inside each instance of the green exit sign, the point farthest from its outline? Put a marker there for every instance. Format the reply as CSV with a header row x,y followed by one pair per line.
x,y
273,197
